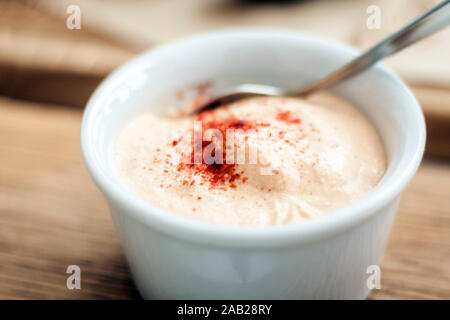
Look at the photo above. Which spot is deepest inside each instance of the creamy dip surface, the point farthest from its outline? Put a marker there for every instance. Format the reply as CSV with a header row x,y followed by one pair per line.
x,y
263,161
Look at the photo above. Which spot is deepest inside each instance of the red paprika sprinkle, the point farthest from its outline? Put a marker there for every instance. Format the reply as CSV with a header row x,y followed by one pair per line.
x,y
286,116
217,175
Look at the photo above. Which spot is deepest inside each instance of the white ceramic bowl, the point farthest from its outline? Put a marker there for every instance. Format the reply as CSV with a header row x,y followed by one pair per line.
x,y
324,258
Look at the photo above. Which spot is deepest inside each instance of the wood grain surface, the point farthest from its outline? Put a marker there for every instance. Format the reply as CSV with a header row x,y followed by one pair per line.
x,y
41,60
53,216
435,103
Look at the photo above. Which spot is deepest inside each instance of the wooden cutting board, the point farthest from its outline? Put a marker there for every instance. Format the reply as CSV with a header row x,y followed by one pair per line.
x,y
42,60
53,216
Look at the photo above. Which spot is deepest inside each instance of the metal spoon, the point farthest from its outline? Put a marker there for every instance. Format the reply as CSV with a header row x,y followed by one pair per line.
x,y
427,24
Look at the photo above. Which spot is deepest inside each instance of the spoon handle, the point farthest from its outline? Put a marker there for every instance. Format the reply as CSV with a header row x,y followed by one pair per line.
x,y
430,22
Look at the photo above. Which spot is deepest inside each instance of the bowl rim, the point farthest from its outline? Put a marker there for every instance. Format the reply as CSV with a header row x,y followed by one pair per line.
x,y
240,236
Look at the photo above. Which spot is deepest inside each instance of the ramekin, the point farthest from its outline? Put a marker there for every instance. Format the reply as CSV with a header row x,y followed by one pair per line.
x,y
172,257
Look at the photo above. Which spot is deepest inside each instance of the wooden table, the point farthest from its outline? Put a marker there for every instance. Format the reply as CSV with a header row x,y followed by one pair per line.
x,y
52,216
